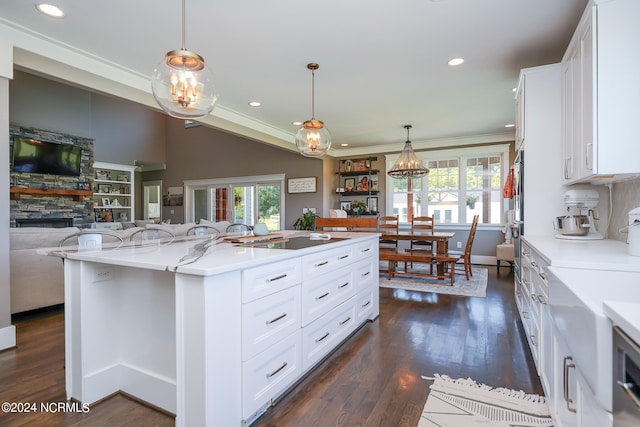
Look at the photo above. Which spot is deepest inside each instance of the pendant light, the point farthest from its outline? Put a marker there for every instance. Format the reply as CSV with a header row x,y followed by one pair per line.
x,y
408,164
313,138
182,84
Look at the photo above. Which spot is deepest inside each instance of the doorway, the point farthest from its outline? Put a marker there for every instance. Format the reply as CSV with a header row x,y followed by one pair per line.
x,y
152,200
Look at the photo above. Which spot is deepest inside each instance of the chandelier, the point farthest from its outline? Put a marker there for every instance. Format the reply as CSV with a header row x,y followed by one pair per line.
x,y
408,164
182,84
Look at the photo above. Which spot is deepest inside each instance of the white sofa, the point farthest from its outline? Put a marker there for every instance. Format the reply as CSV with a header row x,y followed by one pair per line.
x,y
37,281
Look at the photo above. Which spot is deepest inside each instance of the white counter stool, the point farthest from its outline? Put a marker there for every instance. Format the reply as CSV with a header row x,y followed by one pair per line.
x,y
504,252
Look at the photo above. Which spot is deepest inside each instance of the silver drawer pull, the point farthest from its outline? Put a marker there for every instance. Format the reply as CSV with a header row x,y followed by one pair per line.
x,y
273,279
366,304
323,295
366,250
284,365
326,334
321,264
344,321
282,316
565,382
541,299
343,257
366,274
344,285
533,341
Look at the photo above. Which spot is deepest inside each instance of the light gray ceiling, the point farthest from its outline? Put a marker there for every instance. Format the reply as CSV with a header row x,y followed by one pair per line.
x,y
383,64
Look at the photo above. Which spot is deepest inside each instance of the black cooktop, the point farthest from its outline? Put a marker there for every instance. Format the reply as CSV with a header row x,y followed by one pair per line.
x,y
299,242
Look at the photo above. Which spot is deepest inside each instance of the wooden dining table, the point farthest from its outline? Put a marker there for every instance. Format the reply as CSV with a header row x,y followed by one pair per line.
x,y
441,239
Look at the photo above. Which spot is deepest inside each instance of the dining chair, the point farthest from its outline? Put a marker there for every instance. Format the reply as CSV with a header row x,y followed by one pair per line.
x,y
388,224
202,230
239,228
93,240
465,256
421,225
151,235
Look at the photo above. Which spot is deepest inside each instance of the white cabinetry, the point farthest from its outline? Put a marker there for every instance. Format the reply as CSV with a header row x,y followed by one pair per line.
x,y
539,125
574,404
532,295
601,93
113,192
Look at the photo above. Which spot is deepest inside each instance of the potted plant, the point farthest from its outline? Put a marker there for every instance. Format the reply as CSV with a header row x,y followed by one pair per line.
x,y
306,222
358,207
471,201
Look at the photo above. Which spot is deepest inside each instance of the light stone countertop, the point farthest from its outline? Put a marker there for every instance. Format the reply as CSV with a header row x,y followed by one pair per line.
x,y
626,315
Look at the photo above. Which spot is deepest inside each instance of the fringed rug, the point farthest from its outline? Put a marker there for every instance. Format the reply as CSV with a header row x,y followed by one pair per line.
x,y
476,286
462,403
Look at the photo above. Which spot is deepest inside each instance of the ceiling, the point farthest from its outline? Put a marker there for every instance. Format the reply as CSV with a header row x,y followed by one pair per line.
x,y
382,64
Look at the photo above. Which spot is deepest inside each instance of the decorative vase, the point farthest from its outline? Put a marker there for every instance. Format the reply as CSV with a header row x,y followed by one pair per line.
x,y
260,229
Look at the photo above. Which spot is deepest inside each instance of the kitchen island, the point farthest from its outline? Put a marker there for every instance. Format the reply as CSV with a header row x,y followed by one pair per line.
x,y
209,330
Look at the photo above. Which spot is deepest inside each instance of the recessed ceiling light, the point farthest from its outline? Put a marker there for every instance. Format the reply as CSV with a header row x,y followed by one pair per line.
x,y
514,89
455,62
296,123
510,125
255,104
344,144
50,10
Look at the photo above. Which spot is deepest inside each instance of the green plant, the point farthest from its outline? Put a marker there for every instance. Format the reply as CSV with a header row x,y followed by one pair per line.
x,y
306,222
358,207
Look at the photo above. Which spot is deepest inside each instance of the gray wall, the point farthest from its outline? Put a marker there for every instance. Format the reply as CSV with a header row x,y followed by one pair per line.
x,y
5,307
204,153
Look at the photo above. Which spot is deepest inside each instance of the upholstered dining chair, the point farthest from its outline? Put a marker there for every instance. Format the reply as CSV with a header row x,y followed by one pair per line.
x,y
388,224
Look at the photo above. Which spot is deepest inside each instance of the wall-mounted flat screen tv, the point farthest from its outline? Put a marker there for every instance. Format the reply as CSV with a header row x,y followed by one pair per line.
x,y
37,156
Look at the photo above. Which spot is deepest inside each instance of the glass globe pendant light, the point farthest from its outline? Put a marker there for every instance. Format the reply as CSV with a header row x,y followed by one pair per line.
x,y
313,138
182,84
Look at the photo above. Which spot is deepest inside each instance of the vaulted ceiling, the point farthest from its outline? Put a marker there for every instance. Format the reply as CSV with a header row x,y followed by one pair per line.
x,y
382,64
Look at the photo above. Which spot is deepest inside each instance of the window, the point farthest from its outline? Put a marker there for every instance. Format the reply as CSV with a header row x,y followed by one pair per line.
x,y
461,183
245,200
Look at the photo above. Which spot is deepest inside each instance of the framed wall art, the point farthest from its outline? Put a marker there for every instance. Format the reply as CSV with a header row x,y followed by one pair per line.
x,y
302,185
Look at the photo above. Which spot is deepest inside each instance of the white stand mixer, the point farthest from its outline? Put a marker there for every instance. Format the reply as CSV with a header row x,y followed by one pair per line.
x,y
585,202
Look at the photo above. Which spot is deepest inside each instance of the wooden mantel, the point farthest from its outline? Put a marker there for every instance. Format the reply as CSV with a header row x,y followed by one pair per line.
x,y
16,192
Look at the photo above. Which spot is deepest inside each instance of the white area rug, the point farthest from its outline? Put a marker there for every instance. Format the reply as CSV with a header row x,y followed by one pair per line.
x,y
476,286
463,402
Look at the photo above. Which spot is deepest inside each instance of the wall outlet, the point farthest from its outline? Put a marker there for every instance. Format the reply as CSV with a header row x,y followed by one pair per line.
x,y
103,274
459,245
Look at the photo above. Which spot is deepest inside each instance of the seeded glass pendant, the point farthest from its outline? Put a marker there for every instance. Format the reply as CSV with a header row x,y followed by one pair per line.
x,y
313,138
408,164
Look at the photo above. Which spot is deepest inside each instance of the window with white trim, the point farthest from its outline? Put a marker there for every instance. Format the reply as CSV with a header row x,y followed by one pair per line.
x,y
461,183
245,200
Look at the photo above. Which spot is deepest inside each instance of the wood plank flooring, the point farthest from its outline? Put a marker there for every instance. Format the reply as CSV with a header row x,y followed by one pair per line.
x,y
373,380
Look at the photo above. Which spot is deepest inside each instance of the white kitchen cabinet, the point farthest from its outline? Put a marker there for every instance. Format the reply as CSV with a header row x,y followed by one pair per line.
x,y
539,125
574,403
113,192
601,92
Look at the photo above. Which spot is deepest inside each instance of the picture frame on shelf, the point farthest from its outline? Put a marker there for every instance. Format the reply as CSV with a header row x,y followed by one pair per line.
x,y
106,201
363,183
345,206
349,184
372,204
104,188
361,165
374,184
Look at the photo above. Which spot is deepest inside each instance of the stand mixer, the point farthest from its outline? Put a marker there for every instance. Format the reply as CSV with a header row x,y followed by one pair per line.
x,y
583,202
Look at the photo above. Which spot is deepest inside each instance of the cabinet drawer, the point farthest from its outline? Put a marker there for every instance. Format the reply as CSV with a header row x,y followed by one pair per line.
x,y
366,303
267,279
268,374
323,335
322,262
366,249
366,274
325,292
268,320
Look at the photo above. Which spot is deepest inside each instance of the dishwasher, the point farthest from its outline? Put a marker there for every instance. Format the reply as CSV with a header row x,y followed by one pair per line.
x,y
626,380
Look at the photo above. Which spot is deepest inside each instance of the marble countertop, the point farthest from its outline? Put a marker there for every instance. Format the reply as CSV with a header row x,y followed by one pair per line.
x,y
585,254
219,256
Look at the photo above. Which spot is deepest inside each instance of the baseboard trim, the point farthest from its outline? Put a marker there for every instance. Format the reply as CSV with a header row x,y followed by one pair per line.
x,y
7,337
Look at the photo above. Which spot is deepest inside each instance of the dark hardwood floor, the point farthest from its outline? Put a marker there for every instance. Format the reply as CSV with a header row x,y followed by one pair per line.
x,y
373,380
